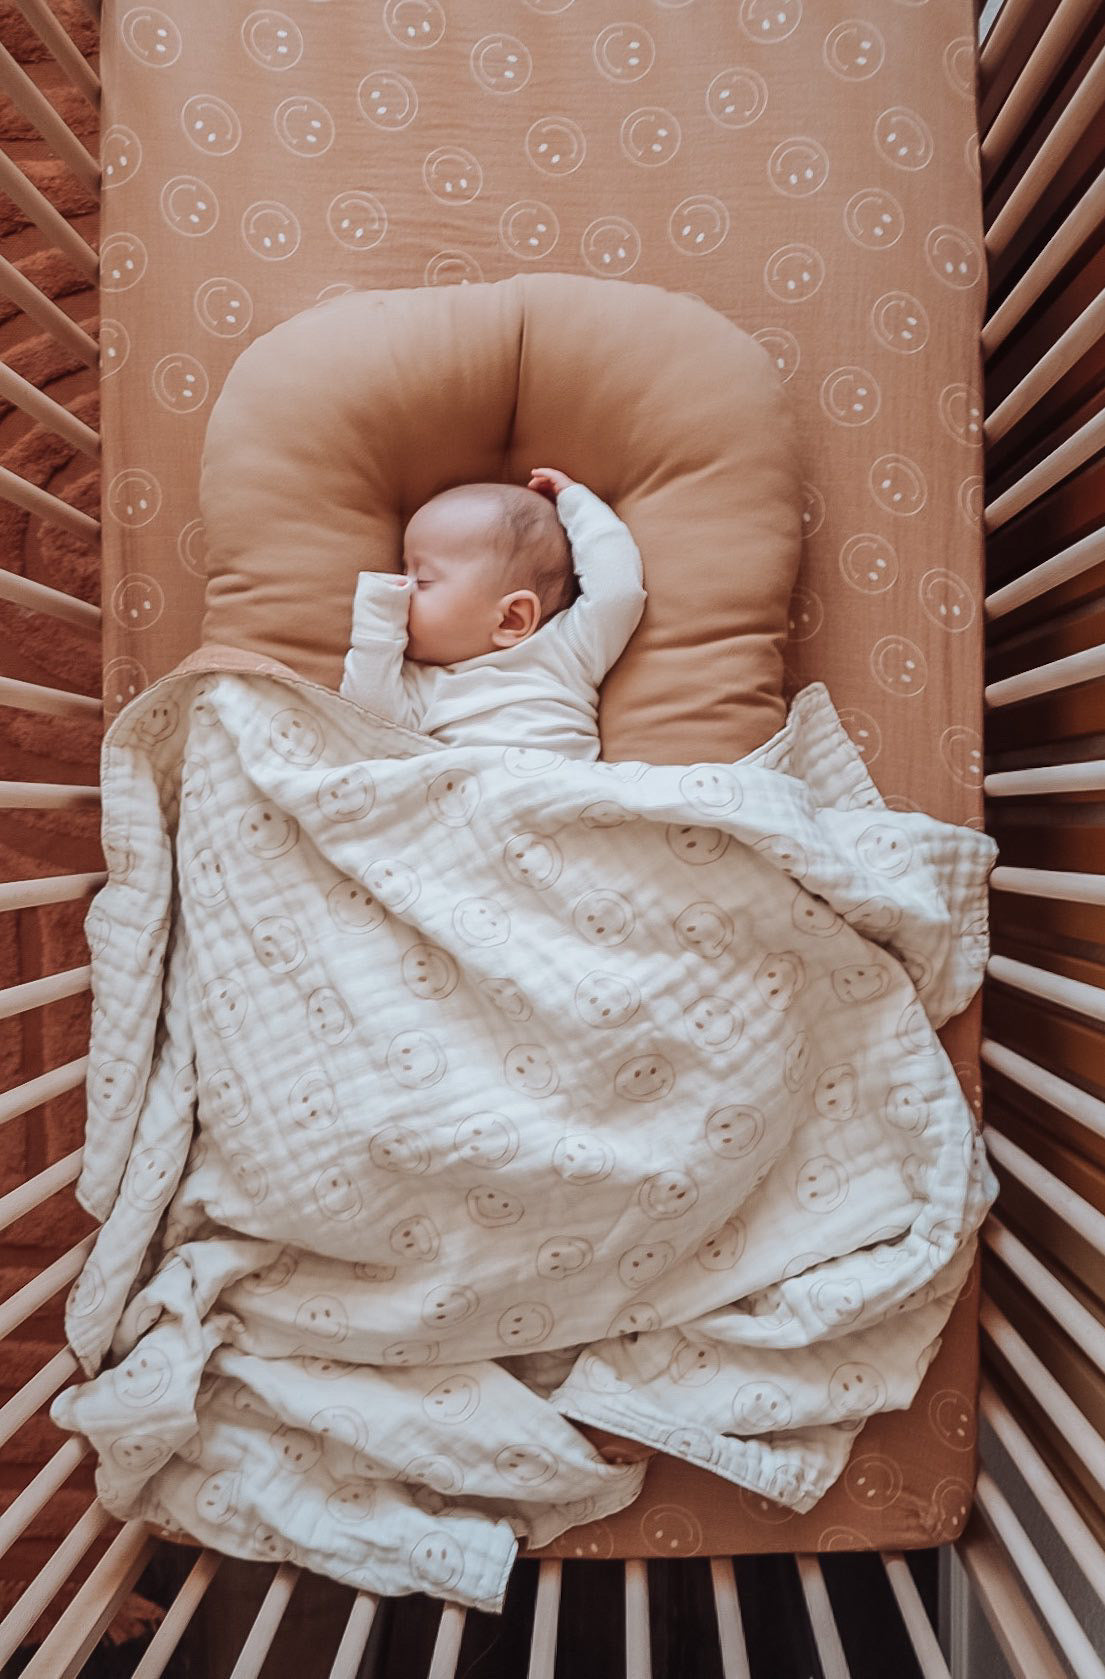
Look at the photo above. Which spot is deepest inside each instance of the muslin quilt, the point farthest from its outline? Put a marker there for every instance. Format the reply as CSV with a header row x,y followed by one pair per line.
x,y
442,1098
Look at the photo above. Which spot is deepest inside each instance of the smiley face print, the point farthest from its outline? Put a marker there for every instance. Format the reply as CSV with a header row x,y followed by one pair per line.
x,y
713,1023
429,972
836,1092
486,1139
416,1060
534,860
529,1068
396,1148
393,883
606,1000
453,797
481,922
563,1256
646,1078
507,997
580,1158
415,1238
328,1018
324,1317
225,1003
779,978
278,944
695,845
142,1378
733,1132
604,917
668,1194
345,794
493,1207
704,928
641,1265
525,1324
352,908
336,1194
452,1400
761,1407
723,1247
861,982
313,1102
821,1184
268,832
856,1390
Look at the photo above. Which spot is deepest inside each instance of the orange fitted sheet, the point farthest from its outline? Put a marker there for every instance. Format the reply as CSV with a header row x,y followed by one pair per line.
x,y
811,175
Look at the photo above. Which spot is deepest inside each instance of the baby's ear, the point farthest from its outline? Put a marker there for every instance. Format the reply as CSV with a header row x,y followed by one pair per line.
x,y
519,616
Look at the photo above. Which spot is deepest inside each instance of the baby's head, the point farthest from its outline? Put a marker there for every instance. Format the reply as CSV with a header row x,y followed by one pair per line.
x,y
490,563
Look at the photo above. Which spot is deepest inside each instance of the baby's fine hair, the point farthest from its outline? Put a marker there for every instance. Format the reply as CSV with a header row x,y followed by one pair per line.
x,y
538,553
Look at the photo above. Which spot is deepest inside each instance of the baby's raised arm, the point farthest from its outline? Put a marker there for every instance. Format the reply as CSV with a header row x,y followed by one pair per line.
x,y
608,563
373,672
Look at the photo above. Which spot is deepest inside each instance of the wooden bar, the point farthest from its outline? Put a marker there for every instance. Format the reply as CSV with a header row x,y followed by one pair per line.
x,y
62,48
34,993
1053,884
730,1626
27,1504
1038,982
49,889
1074,231
177,1617
1065,1415
1037,1081
1080,557
638,1644
47,795
450,1631
1067,458
1019,1635
23,1405
1087,777
18,1202
33,1092
51,415
45,312
63,143
1057,1612
50,222
42,505
19,1620
36,597
66,1648
53,702
354,1640
266,1623
826,1634
19,1306
1046,1289
546,1611
926,1645
1086,666
1019,107
1076,342
1076,1213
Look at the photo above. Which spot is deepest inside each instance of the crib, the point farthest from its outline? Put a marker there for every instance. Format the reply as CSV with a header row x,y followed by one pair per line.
x,y
1015,1583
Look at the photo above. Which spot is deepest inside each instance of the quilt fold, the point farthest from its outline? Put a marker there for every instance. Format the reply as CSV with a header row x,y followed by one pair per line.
x,y
442,1098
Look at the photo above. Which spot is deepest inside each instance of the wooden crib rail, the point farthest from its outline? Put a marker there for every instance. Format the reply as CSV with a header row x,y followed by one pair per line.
x,y
1033,1553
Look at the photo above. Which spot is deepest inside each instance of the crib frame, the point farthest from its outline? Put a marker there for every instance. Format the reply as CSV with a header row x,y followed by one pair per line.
x,y
1006,1572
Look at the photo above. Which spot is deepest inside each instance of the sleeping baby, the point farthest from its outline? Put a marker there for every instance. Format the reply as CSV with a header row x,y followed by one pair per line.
x,y
486,640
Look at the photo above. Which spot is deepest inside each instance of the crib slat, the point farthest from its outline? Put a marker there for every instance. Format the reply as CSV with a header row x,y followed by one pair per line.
x,y
354,1640
55,702
1038,982
35,1190
730,1626
266,1622
1000,37
177,1617
1019,1634
1080,557
1077,115
1072,232
638,1645
1071,454
23,1508
42,505
23,1405
37,597
48,889
1056,1092
1016,112
1056,1504
1068,1420
66,1648
33,993
1076,1213
450,1631
46,314
546,1611
22,1616
823,1625
1046,1289
63,48
46,795
1047,679
1077,341
19,1306
1088,777
59,137
1056,885
48,413
50,222
44,1088
926,1646
1057,1612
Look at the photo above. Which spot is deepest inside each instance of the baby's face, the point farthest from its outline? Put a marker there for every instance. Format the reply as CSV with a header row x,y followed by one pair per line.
x,y
449,554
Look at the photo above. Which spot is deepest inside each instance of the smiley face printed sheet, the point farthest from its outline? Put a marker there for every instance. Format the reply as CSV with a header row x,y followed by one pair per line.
x,y
442,1098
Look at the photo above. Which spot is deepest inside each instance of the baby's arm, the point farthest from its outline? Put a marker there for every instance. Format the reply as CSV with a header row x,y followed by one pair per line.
x,y
608,562
373,671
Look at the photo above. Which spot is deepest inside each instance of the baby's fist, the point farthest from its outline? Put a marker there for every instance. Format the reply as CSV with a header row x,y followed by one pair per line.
x,y
547,481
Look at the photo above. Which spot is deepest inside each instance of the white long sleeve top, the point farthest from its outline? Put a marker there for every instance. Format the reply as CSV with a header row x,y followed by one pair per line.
x,y
543,691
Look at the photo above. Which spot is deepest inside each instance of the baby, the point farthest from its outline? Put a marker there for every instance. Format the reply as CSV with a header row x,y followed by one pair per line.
x,y
485,640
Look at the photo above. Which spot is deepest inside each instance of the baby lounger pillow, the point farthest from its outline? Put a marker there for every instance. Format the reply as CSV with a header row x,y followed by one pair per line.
x,y
332,428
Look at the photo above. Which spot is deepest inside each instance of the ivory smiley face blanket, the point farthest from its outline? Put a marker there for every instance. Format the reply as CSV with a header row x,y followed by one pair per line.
x,y
442,1097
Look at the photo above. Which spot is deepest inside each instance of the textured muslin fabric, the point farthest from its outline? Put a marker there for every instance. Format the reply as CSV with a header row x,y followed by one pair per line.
x,y
470,1090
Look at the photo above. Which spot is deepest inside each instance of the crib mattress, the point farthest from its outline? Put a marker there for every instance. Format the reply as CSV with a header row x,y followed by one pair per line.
x,y
812,175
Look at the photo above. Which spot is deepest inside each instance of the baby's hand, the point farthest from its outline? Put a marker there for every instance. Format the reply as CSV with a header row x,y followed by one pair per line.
x,y
548,482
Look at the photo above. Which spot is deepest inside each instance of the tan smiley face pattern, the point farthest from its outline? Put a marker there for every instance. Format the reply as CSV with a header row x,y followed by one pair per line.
x,y
809,171
626,1064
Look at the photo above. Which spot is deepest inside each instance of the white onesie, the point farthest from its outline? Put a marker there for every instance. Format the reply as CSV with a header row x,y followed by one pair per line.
x,y
543,691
